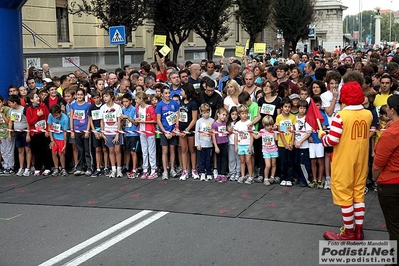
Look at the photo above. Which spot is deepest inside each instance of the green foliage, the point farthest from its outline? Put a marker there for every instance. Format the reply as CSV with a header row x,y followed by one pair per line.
x,y
129,13
211,23
254,16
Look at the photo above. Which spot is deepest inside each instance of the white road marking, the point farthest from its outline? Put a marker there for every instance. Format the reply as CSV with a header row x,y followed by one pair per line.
x,y
105,245
94,239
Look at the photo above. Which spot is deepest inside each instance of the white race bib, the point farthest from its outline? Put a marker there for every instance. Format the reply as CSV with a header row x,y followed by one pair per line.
x,y
171,119
267,109
78,114
222,131
57,127
183,117
40,125
95,114
16,117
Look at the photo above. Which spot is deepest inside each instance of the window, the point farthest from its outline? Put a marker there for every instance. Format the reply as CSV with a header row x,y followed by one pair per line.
x,y
237,29
62,20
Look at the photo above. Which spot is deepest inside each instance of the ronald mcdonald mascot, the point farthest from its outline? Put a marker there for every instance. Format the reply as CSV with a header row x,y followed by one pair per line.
x,y
349,135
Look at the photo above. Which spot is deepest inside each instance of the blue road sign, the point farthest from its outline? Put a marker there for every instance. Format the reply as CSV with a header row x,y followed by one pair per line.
x,y
117,35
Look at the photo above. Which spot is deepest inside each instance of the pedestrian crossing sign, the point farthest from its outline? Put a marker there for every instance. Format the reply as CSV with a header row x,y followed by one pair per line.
x,y
117,35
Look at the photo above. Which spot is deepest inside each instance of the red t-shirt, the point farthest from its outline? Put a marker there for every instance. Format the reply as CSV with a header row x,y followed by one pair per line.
x,y
51,102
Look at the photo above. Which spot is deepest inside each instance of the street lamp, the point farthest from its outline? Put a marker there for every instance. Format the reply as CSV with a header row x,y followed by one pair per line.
x,y
390,23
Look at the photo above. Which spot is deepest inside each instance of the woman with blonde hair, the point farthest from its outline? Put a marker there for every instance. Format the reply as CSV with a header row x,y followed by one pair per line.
x,y
233,90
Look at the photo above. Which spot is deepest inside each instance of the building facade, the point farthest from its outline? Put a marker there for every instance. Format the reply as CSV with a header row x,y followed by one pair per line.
x,y
51,35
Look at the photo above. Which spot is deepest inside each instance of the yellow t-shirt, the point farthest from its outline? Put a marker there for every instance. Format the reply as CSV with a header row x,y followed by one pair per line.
x,y
59,90
286,124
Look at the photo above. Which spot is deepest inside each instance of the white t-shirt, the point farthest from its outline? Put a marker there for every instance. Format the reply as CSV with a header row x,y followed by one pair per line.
x,y
229,102
244,138
302,128
110,116
142,115
326,100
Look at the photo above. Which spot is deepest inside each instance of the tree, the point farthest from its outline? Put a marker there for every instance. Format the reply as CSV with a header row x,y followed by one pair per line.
x,y
211,25
176,18
293,18
128,13
253,15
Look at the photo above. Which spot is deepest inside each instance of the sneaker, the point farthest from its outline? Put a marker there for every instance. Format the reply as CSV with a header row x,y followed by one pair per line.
x,y
173,173
20,172
88,172
313,184
215,173
203,177
153,175
144,175
27,172
183,176
241,179
7,172
46,172
112,174
36,173
266,182
277,179
320,185
63,172
232,177
327,183
209,177
223,179
119,174
55,172
78,173
131,175
32,169
195,174
218,178
96,173
249,180
107,172
165,175
272,180
366,190
1,171
283,183
259,179
73,170
237,177
288,184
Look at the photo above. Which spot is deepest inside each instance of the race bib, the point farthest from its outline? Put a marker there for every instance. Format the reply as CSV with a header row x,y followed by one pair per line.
x,y
1,119
183,117
95,114
40,125
286,126
78,114
142,116
243,136
16,117
128,123
171,119
222,131
57,127
267,141
205,128
267,109
110,117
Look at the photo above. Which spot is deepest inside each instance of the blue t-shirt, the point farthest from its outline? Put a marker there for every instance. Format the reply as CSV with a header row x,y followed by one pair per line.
x,y
314,135
80,115
130,112
168,112
58,125
175,92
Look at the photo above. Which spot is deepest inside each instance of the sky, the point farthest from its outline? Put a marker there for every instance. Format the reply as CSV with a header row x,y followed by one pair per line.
x,y
353,5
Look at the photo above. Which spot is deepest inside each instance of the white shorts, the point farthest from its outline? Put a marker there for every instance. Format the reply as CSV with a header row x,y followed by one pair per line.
x,y
316,150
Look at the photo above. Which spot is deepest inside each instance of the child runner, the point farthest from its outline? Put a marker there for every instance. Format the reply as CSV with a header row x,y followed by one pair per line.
x,y
285,124
79,121
269,149
146,120
301,151
69,96
243,142
221,143
58,124
22,138
110,127
188,118
154,102
7,146
168,116
234,158
203,142
97,140
36,116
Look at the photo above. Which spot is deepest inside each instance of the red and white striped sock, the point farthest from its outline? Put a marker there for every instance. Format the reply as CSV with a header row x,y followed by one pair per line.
x,y
348,216
359,209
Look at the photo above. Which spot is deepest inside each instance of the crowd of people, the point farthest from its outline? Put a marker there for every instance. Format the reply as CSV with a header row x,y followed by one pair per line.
x,y
242,120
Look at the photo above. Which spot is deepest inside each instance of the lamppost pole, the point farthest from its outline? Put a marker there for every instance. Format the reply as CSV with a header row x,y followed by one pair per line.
x,y
390,23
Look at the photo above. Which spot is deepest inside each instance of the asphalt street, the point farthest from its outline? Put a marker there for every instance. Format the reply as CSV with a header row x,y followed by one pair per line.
x,y
86,221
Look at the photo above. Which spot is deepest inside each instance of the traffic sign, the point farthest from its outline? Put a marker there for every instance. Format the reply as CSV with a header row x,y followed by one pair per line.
x,y
117,35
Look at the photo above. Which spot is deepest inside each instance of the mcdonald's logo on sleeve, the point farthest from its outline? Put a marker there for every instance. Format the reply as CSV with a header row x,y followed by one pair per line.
x,y
359,130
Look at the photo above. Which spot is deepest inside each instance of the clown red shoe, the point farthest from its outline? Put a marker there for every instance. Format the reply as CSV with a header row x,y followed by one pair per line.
x,y
344,234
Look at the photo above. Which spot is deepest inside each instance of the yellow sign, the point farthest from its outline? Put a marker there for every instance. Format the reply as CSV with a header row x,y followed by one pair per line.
x,y
164,50
247,45
160,40
259,48
219,51
240,51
